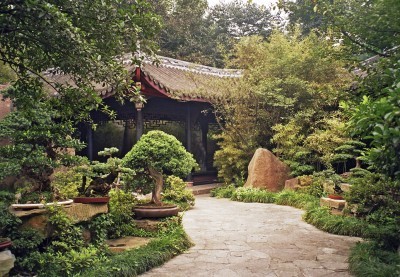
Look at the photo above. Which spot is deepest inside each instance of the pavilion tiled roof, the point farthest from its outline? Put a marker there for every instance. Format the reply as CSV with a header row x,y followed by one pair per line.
x,y
177,79
184,80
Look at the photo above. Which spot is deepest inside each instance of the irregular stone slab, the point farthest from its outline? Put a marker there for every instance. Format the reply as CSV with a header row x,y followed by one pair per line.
x,y
7,260
83,212
126,243
38,218
292,184
345,187
148,224
332,203
266,171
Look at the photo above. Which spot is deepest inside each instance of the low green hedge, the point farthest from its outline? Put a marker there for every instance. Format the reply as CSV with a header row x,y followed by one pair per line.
x,y
136,261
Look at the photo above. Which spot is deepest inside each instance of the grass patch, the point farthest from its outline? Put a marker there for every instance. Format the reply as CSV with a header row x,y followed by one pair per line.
x,y
253,195
368,259
321,218
137,261
223,192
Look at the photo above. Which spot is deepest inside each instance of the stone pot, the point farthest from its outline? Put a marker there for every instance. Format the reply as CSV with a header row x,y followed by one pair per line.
x,y
153,211
91,200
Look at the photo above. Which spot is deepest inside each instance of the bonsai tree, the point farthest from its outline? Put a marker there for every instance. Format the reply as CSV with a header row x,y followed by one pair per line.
x,y
158,153
91,179
104,175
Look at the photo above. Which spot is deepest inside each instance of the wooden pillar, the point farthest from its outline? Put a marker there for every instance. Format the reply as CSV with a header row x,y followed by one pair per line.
x,y
89,138
204,133
128,138
188,131
139,124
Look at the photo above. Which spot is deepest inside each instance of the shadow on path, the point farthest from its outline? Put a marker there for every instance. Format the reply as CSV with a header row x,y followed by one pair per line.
x,y
254,239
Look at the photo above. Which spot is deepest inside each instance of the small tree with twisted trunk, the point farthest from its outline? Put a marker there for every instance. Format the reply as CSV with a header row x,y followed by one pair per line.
x,y
157,154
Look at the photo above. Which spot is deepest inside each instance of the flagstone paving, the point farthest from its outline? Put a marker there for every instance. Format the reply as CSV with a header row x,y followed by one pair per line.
x,y
254,239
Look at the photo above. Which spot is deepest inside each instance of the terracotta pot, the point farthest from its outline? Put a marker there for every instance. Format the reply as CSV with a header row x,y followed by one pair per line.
x,y
151,211
335,197
92,200
5,244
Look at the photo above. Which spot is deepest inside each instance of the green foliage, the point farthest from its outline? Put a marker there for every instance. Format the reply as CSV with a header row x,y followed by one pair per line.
x,y
379,122
137,261
121,213
223,192
39,134
253,195
66,36
66,253
66,182
177,193
376,198
368,259
162,152
294,199
194,33
321,218
291,88
366,26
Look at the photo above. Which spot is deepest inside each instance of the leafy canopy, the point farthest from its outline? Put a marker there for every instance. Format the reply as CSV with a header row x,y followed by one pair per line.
x,y
161,151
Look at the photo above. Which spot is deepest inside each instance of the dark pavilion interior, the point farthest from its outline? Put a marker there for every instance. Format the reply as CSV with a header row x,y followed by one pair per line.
x,y
177,102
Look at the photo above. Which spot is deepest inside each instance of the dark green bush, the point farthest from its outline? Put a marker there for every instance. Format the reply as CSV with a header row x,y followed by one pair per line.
x,y
368,259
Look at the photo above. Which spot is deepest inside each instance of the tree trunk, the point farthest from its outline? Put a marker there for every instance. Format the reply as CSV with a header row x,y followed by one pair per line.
x,y
158,178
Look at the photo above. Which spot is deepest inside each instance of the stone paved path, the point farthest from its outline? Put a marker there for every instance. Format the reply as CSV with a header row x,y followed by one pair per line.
x,y
252,239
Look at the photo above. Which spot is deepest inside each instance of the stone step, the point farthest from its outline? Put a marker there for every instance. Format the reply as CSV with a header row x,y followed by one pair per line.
x,y
204,189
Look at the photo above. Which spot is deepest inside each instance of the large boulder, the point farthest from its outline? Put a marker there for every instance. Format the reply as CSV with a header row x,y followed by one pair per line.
x,y
267,171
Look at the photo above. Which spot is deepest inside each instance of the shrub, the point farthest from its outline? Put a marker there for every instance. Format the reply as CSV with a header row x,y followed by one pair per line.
x,y
368,259
297,200
321,218
120,214
223,192
253,195
66,183
177,193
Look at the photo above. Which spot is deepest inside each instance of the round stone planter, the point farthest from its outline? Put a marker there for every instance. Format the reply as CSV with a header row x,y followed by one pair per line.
x,y
151,211
92,200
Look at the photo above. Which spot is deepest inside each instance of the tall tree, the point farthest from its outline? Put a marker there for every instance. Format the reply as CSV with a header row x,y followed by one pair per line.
x,y
371,26
286,78
234,20
82,39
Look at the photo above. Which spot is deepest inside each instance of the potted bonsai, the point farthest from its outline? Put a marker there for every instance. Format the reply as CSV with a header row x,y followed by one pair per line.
x,y
98,178
157,154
